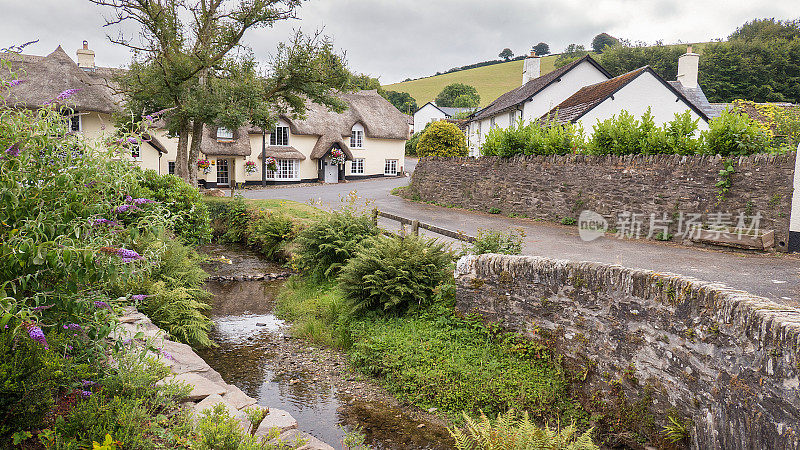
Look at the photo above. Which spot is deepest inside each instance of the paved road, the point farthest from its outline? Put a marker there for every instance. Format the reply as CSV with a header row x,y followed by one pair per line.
x,y
773,276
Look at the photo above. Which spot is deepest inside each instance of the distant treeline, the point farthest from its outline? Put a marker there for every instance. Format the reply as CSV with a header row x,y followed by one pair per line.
x,y
470,66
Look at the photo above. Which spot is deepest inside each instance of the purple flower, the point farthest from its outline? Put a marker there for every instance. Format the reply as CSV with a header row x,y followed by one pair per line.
x,y
165,354
37,335
69,347
67,94
42,308
13,150
90,184
15,83
85,394
124,208
139,297
102,221
128,199
141,201
87,383
99,304
72,326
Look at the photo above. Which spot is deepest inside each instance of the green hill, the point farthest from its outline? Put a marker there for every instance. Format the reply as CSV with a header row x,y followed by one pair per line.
x,y
490,81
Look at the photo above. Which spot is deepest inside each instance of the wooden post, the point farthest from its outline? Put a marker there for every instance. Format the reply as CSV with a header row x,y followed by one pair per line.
x,y
415,227
375,216
233,189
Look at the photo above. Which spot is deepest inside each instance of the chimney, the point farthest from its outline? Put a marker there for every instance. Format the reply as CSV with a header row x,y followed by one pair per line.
x,y
688,65
86,57
531,67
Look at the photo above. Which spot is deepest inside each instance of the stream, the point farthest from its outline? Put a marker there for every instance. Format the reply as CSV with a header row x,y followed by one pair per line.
x,y
257,354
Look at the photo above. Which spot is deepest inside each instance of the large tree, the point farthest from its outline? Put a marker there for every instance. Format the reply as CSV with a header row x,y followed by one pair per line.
x,y
626,57
185,62
571,53
603,40
541,49
467,96
403,101
506,54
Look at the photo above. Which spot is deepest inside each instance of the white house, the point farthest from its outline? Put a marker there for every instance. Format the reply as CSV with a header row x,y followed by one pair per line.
x,y
429,112
371,132
536,96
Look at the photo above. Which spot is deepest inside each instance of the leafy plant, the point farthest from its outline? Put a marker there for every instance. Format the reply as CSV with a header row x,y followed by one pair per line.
x,y
733,134
442,138
675,430
568,221
492,241
514,432
724,180
533,138
392,273
495,210
326,246
270,233
217,430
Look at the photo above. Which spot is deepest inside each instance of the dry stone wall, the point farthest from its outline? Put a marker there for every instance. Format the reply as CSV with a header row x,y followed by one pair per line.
x,y
208,387
723,358
556,187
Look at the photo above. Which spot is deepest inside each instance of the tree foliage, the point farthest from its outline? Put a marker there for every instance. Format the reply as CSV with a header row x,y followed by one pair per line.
x,y
506,54
571,53
625,57
603,40
533,138
451,92
442,138
403,101
541,49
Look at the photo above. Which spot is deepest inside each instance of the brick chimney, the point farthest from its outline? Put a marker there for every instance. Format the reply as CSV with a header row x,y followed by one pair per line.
x,y
531,67
688,67
86,57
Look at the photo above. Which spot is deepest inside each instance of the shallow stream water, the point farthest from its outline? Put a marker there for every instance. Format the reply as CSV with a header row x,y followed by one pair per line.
x,y
256,355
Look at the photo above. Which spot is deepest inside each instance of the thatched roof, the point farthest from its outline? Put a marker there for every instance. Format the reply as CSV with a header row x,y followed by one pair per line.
x,y
238,146
283,152
528,90
46,77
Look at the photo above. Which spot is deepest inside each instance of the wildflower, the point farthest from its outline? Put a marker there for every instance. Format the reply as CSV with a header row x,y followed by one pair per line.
x,y
99,304
133,140
69,347
15,83
13,150
85,394
42,308
67,94
87,383
37,335
125,254
128,199
125,208
102,221
139,297
72,326
141,201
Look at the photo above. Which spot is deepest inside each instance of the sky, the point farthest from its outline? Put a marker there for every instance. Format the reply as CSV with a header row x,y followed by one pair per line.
x,y
394,40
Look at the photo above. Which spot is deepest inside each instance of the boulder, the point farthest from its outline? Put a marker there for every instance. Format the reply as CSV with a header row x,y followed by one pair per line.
x,y
237,398
201,387
277,418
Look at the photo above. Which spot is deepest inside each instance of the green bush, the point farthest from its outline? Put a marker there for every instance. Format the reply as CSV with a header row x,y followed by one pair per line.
x,y
393,274
623,134
733,134
326,246
491,241
442,138
270,233
217,430
318,313
511,431
533,139
188,214
237,217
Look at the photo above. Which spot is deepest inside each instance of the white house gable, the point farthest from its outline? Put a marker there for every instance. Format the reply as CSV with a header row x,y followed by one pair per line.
x,y
584,74
428,113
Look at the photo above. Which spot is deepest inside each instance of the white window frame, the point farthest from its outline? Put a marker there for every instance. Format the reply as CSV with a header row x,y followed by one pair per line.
x,y
171,167
279,136
224,134
390,167
357,166
357,136
287,170
492,123
72,120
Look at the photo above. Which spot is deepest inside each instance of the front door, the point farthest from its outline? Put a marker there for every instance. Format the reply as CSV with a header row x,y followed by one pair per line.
x,y
223,173
331,172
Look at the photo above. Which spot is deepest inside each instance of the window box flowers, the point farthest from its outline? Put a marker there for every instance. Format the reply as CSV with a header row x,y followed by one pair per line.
x,y
250,167
204,165
272,164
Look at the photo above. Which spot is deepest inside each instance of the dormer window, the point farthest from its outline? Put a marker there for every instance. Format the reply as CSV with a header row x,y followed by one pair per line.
x,y
357,136
280,136
224,134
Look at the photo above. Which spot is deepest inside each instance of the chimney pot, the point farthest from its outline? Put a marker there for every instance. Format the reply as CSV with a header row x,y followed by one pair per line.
x,y
86,45
85,57
689,49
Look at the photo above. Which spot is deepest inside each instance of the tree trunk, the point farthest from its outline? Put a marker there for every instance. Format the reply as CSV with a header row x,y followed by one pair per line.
x,y
181,162
194,151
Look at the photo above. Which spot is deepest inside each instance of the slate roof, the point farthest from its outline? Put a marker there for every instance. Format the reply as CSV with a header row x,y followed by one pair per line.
x,y
588,97
525,92
697,97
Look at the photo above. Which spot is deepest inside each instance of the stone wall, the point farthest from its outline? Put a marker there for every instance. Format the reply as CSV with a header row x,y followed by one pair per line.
x,y
723,358
555,187
207,386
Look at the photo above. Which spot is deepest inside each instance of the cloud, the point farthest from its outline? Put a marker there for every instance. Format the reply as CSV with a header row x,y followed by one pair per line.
x,y
394,40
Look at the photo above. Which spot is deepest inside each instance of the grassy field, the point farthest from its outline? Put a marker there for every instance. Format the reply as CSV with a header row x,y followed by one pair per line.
x,y
297,210
490,81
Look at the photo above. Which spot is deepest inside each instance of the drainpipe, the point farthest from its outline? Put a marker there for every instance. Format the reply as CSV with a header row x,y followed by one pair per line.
x,y
263,157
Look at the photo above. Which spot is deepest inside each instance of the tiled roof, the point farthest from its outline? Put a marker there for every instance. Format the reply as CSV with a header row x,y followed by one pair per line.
x,y
523,93
697,97
588,97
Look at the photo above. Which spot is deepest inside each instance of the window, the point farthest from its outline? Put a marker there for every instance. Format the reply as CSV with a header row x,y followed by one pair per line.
x,y
280,136
391,167
171,167
287,170
224,134
75,123
357,166
357,137
135,151
491,123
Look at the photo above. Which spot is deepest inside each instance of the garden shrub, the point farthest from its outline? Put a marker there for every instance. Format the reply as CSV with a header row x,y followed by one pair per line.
x,y
492,241
393,273
270,233
326,245
733,134
217,430
237,217
533,138
442,138
510,430
411,143
188,214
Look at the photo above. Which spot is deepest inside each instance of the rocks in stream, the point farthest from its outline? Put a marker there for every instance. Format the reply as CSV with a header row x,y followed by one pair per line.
x,y
262,277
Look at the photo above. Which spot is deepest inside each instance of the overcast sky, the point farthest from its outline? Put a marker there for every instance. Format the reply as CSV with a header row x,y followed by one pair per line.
x,y
394,39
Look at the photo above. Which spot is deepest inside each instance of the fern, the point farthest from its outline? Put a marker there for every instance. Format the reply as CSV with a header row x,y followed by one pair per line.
x,y
509,431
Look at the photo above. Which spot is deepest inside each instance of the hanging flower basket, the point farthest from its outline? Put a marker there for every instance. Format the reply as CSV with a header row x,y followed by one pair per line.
x,y
272,164
337,156
250,167
204,165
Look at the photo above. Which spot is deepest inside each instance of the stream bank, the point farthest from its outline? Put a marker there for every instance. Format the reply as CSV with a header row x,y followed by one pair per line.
x,y
257,354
